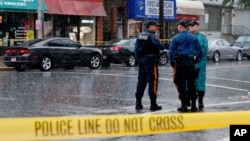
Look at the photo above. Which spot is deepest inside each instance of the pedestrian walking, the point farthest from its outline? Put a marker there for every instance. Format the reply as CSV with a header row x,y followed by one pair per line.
x,y
201,66
147,49
184,52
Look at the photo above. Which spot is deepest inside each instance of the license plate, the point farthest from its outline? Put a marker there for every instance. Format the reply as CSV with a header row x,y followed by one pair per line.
x,y
13,59
104,57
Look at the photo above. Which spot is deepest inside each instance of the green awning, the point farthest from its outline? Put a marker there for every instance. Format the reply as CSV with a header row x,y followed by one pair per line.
x,y
21,5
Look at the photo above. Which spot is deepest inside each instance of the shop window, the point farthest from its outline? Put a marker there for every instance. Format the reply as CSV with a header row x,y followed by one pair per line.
x,y
87,30
78,28
15,27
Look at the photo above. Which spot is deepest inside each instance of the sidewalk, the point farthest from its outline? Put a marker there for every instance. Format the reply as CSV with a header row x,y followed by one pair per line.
x,y
2,66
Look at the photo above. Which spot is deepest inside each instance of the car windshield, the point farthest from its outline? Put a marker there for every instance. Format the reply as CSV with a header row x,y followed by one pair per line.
x,y
210,41
243,39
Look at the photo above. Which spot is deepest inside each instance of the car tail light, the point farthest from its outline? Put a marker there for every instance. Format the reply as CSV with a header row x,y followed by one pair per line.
x,y
24,51
116,48
17,51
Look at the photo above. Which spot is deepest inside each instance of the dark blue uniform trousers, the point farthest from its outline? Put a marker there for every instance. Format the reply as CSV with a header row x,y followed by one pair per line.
x,y
184,79
147,74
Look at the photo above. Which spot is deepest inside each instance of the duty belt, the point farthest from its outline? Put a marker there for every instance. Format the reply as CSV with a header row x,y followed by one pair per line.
x,y
183,58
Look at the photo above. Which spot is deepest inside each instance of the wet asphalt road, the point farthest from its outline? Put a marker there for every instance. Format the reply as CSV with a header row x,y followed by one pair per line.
x,y
83,91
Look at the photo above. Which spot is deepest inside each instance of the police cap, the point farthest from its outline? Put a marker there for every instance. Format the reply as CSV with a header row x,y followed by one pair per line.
x,y
183,23
193,22
152,23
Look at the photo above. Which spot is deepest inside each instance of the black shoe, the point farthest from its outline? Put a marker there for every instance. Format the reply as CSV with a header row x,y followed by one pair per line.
x,y
200,99
182,109
194,109
155,107
138,107
201,105
188,104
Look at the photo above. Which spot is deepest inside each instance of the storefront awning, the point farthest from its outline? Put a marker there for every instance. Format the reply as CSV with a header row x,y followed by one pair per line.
x,y
187,17
188,7
21,5
76,7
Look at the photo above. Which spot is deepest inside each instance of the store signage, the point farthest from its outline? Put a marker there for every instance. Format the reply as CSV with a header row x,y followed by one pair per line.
x,y
30,35
38,24
20,5
149,9
20,32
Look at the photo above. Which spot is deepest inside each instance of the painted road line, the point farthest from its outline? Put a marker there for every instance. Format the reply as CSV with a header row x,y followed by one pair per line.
x,y
224,139
230,88
207,105
212,85
229,79
135,76
223,67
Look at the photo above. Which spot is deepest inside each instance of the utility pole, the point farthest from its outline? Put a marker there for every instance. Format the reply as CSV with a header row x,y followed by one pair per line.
x,y
39,19
161,16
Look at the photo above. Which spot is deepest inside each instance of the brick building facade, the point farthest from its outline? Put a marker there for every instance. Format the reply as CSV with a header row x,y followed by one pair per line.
x,y
116,15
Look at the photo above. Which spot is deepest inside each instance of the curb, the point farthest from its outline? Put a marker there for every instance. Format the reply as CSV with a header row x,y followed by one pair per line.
x,y
6,68
3,67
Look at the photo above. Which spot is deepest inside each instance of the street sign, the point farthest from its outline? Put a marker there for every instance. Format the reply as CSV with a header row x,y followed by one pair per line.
x,y
149,9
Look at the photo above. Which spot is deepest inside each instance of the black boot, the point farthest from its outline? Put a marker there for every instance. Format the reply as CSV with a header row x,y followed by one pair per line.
x,y
200,99
154,106
183,107
193,106
138,105
184,103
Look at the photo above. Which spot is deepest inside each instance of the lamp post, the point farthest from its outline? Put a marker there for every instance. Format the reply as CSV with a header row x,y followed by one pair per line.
x,y
161,16
39,19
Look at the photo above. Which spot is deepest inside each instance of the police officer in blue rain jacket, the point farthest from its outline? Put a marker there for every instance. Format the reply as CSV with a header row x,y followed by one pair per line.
x,y
184,52
147,50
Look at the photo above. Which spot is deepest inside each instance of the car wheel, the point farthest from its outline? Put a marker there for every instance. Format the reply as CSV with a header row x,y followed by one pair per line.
x,y
239,56
46,63
95,61
131,61
20,68
163,59
216,56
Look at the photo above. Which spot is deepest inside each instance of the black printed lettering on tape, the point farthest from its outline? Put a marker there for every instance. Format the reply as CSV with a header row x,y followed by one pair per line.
x,y
239,132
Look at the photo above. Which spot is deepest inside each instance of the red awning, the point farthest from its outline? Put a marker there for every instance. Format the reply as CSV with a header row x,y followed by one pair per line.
x,y
76,7
187,17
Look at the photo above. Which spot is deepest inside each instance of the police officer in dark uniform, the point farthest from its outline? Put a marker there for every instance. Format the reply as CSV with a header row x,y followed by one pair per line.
x,y
184,52
147,50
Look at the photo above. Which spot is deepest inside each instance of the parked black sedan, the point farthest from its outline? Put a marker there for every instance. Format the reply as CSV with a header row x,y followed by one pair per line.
x,y
122,51
47,53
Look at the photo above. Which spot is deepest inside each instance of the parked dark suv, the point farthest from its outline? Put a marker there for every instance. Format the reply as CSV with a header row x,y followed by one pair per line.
x,y
244,42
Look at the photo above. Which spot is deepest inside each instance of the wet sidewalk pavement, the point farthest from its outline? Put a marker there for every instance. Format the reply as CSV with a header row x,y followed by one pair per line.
x,y
2,66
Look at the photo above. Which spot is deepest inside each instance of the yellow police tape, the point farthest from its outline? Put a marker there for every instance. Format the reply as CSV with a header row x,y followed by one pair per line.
x,y
75,127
